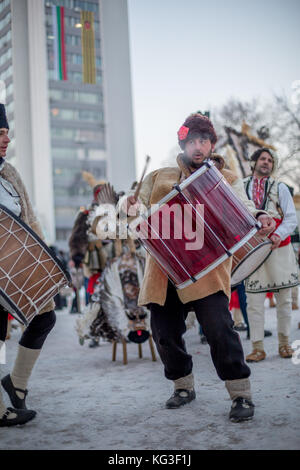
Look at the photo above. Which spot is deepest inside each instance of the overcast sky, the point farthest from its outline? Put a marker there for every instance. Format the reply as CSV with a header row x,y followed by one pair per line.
x,y
190,54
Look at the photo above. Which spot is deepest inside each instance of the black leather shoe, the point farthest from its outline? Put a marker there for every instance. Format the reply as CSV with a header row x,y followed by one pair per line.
x,y
240,327
203,339
23,416
241,410
16,402
267,333
180,397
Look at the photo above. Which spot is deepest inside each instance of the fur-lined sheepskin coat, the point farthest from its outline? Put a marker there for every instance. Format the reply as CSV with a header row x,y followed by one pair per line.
x,y
9,173
157,185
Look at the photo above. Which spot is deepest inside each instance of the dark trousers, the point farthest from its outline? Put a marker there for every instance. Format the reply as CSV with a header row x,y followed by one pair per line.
x,y
37,331
168,327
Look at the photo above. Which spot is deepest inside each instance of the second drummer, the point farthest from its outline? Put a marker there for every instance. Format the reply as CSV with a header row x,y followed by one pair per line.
x,y
13,195
209,296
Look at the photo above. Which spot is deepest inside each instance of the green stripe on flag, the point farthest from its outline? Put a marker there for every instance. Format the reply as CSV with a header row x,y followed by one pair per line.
x,y
59,43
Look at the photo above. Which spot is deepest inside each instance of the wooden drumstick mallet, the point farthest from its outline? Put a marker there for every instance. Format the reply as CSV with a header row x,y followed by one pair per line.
x,y
138,188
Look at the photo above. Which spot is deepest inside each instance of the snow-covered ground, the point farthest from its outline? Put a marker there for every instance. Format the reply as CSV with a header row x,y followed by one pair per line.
x,y
86,401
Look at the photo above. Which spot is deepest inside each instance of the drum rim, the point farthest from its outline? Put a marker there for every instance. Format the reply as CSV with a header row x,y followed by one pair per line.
x,y
39,240
15,309
219,260
266,242
207,165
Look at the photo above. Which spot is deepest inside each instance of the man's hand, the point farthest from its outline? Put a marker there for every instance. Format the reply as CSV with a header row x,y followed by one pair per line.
x,y
268,224
131,201
276,240
132,205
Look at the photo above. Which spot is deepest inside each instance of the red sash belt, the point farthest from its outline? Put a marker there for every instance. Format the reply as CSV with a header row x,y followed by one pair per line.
x,y
284,242
93,280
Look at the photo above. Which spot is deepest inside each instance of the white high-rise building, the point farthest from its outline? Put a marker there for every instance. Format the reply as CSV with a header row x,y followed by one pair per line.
x,y
60,127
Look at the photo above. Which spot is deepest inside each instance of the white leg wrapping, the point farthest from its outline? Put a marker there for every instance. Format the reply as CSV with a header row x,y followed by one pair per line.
x,y
187,382
239,388
284,311
256,315
295,295
25,360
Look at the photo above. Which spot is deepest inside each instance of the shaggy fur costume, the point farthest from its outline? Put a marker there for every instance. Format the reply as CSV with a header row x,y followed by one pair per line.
x,y
78,242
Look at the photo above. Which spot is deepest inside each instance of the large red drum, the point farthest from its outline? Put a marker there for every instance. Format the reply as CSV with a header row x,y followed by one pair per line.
x,y
197,226
30,273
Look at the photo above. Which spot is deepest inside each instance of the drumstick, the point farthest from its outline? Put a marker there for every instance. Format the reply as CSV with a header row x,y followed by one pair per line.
x,y
142,177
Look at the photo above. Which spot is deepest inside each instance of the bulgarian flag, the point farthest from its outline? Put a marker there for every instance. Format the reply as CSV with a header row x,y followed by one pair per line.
x,y
60,64
88,47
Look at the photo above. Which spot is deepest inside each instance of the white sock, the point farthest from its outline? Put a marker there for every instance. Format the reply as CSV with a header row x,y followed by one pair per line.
x,y
25,360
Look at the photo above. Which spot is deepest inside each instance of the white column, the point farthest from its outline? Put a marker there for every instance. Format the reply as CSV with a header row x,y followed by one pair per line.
x,y
40,127
21,93
117,93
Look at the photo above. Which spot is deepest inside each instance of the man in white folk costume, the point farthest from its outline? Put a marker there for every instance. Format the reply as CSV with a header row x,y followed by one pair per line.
x,y
279,273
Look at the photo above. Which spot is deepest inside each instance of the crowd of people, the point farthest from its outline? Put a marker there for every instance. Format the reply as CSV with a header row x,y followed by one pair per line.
x,y
128,297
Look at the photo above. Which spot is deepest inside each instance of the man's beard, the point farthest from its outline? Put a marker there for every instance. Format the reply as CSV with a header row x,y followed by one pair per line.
x,y
263,173
194,165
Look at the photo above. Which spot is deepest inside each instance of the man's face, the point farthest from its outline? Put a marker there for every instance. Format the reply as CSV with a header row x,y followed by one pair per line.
x,y
197,149
264,165
4,141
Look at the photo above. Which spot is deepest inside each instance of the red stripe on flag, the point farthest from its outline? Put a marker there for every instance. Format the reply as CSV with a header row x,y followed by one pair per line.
x,y
63,48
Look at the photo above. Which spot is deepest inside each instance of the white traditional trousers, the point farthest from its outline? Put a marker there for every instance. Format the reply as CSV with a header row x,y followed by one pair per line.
x,y
256,313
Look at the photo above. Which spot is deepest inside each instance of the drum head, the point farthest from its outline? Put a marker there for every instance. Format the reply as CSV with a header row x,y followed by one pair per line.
x,y
251,262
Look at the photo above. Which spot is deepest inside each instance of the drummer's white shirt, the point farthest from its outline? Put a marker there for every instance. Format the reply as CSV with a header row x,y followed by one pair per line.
x,y
289,222
9,196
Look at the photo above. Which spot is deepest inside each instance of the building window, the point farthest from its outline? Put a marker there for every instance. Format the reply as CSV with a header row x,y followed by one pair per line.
x,y
76,114
4,4
5,21
4,40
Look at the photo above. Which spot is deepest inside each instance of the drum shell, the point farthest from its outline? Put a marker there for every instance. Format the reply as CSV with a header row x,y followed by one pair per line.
x,y
224,215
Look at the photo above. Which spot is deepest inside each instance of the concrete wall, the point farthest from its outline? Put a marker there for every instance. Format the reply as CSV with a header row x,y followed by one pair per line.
x,y
117,93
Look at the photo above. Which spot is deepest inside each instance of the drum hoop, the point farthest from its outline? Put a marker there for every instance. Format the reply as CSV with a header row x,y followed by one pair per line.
x,y
14,308
39,240
219,260
266,242
174,192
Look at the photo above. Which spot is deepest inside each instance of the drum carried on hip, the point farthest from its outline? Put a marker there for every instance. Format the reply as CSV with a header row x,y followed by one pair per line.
x,y
30,273
247,259
200,224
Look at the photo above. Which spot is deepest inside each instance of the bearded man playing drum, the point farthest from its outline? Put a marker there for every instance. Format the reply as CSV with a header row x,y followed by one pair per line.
x,y
13,195
208,296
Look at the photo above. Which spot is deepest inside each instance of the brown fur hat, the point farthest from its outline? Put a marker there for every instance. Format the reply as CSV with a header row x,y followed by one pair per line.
x,y
196,124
